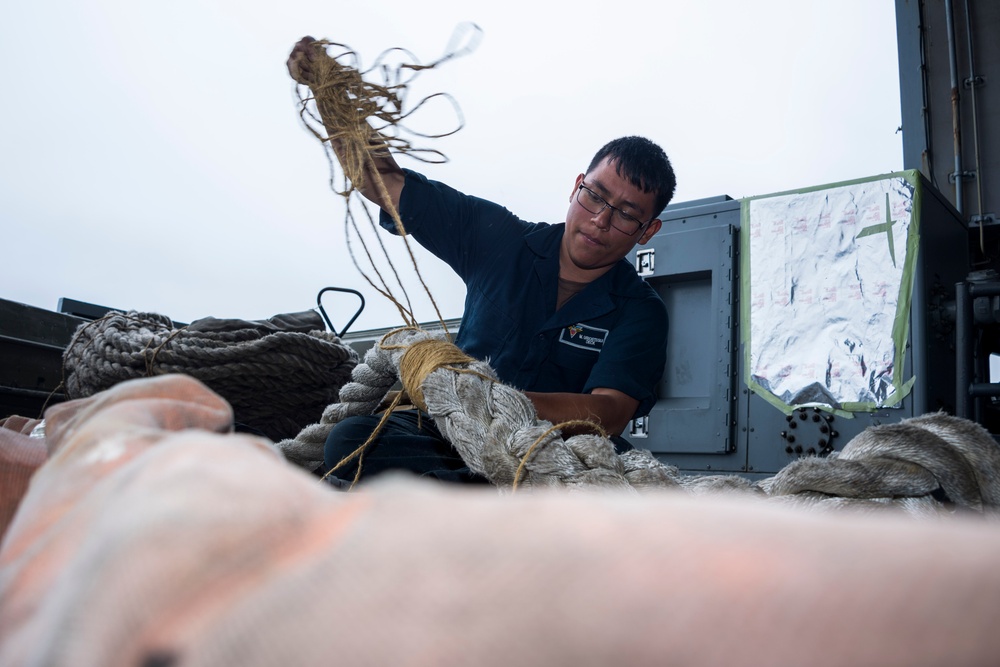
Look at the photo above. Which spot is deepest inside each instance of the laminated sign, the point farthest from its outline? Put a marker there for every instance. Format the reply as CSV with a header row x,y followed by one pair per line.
x,y
827,283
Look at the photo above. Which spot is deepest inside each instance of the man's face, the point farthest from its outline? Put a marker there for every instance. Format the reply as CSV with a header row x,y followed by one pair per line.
x,y
591,244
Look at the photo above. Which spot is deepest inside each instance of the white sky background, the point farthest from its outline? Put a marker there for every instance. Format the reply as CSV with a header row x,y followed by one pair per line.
x,y
152,159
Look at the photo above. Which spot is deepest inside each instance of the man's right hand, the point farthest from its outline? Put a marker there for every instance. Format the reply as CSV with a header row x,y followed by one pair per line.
x,y
304,63
301,61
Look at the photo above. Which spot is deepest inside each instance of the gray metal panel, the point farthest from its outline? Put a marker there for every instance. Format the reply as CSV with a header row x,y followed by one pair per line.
x,y
925,76
686,427
772,441
943,261
694,272
911,86
32,341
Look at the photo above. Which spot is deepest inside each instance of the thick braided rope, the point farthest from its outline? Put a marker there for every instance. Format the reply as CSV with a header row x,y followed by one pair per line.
x,y
494,427
276,382
496,431
370,382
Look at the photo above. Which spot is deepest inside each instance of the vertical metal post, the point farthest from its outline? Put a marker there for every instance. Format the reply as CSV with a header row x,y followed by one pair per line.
x,y
973,83
963,348
956,120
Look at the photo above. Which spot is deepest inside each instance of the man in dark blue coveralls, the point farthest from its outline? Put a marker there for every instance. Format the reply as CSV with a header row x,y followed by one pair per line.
x,y
555,309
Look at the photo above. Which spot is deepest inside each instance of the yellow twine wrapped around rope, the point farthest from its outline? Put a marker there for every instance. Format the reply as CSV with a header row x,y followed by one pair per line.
x,y
423,358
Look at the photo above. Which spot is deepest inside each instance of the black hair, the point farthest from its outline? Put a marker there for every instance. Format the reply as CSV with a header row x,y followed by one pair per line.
x,y
643,164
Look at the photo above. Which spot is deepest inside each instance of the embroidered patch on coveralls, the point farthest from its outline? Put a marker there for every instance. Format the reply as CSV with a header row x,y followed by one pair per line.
x,y
584,337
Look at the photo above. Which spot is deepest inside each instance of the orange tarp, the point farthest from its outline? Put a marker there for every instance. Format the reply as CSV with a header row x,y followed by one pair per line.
x,y
153,536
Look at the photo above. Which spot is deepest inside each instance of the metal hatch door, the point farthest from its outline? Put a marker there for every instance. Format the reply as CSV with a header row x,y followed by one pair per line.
x,y
693,269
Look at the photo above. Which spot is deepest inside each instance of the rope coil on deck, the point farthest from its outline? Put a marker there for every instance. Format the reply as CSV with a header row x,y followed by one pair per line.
x,y
278,375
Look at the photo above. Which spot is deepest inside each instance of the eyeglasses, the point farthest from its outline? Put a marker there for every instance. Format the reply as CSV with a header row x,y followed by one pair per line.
x,y
595,203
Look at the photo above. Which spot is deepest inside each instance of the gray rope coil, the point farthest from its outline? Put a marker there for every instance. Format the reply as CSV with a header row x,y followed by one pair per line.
x,y
276,380
924,466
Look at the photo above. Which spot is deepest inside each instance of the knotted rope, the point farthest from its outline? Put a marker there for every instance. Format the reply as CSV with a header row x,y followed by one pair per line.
x,y
277,381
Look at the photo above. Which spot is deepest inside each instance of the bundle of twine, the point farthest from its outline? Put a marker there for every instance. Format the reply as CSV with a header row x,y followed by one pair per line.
x,y
367,120
277,381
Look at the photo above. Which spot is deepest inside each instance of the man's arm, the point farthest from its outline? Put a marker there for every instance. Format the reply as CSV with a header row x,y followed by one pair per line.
x,y
303,66
610,408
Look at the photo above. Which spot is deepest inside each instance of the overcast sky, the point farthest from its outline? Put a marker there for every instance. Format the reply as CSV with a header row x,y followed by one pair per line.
x,y
152,158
